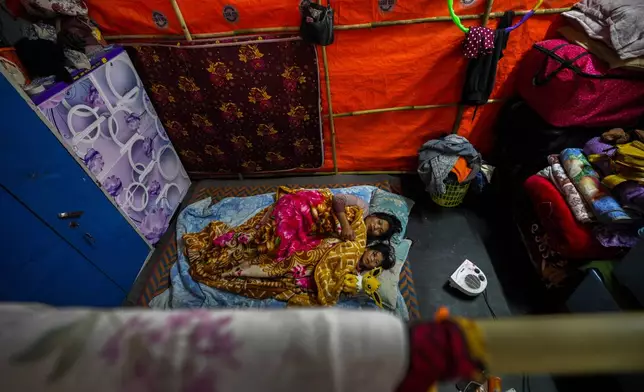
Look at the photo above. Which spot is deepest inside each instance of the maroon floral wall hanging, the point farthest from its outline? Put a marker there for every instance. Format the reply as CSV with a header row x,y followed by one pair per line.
x,y
237,105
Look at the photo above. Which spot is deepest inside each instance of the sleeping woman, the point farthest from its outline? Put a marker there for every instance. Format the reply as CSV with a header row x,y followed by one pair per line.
x,y
291,250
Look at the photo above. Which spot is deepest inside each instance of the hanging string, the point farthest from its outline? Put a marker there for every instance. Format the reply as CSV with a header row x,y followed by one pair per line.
x,y
457,20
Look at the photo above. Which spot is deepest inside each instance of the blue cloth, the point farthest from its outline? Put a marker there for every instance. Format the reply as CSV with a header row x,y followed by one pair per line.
x,y
186,293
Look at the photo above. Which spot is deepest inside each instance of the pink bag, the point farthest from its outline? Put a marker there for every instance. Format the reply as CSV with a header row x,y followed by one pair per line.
x,y
569,86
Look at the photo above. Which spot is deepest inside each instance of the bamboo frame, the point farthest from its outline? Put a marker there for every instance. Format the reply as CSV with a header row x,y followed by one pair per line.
x,y
488,11
459,119
328,98
403,108
361,26
182,21
292,29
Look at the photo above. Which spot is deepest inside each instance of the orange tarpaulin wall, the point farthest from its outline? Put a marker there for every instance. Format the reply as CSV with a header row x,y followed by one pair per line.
x,y
369,68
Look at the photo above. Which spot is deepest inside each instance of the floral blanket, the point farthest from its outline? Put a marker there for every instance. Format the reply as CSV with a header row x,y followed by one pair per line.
x,y
287,251
185,292
588,183
238,105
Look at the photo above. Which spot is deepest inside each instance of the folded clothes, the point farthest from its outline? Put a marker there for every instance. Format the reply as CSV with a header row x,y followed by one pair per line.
x,y
599,154
560,179
618,23
567,236
600,49
631,194
627,164
617,236
587,182
616,136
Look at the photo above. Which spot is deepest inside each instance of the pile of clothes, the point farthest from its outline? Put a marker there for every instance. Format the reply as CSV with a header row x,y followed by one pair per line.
x,y
590,201
451,159
610,29
59,38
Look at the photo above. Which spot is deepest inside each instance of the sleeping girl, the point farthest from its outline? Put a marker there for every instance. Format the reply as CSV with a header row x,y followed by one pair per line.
x,y
291,250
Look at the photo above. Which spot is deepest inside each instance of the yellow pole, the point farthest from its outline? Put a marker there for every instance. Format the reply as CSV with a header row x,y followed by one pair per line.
x,y
565,344
182,21
403,108
328,98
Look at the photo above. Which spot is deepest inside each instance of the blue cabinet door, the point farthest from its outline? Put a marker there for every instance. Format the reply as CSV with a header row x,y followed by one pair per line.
x,y
39,266
42,174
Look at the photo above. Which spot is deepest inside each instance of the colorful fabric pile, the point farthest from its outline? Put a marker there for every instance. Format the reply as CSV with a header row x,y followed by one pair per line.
x,y
590,201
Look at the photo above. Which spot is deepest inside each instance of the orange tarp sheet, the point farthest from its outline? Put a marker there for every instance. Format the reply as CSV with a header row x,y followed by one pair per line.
x,y
374,68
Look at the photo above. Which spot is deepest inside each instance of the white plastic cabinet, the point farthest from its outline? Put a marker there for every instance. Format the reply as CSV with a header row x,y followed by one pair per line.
x,y
107,120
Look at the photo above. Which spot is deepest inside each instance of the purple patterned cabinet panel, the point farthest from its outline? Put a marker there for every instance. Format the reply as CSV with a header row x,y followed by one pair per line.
x,y
107,119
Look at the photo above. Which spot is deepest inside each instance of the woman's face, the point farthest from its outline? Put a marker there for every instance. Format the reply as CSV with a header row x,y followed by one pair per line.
x,y
371,259
376,226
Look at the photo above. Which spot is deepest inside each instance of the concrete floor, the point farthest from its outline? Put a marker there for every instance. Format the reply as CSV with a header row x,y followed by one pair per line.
x,y
481,231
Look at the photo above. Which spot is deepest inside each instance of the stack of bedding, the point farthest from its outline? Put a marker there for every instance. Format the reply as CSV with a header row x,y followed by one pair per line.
x,y
590,202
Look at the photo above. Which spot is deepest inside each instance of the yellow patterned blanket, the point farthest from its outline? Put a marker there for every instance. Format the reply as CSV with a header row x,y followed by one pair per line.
x,y
289,251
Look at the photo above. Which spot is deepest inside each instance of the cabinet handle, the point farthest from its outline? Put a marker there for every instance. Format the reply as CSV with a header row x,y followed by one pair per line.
x,y
88,237
70,215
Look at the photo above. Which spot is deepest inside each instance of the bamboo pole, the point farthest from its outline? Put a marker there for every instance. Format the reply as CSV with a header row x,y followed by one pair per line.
x,y
488,11
328,98
434,19
394,109
461,108
565,344
260,30
459,119
360,26
182,21
403,108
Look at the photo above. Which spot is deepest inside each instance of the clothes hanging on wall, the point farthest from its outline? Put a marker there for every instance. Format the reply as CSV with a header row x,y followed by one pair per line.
x,y
239,105
479,41
481,70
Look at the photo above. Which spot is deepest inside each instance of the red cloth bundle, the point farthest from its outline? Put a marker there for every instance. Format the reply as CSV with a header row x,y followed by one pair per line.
x,y
567,236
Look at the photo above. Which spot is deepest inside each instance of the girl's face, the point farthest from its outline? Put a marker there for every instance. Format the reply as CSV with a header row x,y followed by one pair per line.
x,y
376,226
371,259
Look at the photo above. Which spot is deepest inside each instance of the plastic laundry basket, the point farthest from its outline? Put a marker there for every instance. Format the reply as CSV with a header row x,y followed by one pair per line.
x,y
453,196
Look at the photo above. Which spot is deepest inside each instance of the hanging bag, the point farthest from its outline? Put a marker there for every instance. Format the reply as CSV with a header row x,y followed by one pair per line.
x,y
316,24
569,86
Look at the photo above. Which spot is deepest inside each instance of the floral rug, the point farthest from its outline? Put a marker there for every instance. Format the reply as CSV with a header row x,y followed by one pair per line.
x,y
239,105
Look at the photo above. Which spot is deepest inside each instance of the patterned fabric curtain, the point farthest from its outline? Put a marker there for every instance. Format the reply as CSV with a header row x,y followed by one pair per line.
x,y
237,105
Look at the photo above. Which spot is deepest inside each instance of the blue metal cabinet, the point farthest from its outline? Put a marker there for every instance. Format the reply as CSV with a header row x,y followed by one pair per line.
x,y
39,172
39,266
